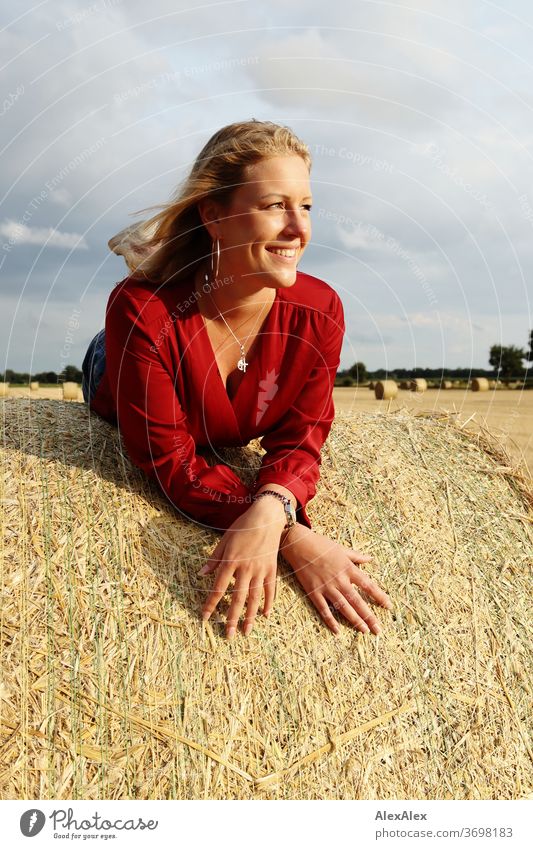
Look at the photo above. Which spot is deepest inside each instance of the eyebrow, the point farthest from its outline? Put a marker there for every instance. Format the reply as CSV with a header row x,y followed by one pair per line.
x,y
281,195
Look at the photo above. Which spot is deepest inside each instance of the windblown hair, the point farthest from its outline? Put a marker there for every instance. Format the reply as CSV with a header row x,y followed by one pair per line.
x,y
171,244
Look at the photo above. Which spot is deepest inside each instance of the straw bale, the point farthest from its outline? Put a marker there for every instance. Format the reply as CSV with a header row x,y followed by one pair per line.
x,y
446,384
404,384
4,390
418,384
385,390
34,385
70,391
479,384
111,687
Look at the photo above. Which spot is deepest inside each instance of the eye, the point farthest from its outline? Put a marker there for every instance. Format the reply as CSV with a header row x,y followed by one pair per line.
x,y
307,206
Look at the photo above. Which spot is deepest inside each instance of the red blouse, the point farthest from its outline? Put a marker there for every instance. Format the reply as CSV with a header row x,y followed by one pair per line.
x,y
163,389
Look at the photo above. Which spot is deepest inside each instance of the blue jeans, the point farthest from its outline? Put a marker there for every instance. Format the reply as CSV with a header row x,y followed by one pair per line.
x,y
93,367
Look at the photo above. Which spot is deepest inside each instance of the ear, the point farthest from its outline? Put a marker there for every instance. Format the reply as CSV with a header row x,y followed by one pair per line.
x,y
209,213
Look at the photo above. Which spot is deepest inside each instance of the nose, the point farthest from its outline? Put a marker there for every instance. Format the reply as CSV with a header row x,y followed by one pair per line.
x,y
297,223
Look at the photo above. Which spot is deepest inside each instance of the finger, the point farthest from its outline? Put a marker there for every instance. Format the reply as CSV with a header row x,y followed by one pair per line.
x,y
322,606
270,587
361,608
370,587
239,594
210,566
254,598
213,561
345,606
221,584
358,556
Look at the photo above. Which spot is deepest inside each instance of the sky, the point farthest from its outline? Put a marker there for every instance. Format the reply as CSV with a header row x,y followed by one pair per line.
x,y
418,117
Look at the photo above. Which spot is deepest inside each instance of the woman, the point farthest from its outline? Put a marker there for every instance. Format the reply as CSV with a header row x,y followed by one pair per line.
x,y
216,339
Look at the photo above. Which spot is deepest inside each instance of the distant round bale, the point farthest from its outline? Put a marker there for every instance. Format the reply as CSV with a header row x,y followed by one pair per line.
x,y
371,385
479,384
418,384
34,385
492,384
4,390
386,390
70,391
404,384
446,384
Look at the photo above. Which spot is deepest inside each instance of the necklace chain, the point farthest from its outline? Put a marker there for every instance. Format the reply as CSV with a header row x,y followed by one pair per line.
x,y
242,364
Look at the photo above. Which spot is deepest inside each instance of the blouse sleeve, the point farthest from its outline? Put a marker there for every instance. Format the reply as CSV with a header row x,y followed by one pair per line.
x,y
154,426
293,445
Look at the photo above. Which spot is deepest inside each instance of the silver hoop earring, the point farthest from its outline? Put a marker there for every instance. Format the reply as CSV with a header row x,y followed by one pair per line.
x,y
214,274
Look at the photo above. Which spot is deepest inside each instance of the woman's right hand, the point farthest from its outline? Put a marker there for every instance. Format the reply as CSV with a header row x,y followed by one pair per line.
x,y
258,530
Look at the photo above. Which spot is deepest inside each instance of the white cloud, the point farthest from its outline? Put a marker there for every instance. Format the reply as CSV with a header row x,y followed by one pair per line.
x,y
19,234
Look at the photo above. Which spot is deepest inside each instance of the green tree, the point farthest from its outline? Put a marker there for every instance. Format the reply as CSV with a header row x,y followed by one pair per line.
x,y
529,354
507,360
71,373
45,377
358,372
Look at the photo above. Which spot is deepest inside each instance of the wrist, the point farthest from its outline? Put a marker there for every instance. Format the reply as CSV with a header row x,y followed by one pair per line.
x,y
288,507
281,489
272,510
290,535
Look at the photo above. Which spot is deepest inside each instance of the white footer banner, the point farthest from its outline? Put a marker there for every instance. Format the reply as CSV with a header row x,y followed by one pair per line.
x,y
267,823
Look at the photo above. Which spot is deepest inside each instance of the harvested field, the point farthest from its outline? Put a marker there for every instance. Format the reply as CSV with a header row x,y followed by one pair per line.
x,y
111,688
507,413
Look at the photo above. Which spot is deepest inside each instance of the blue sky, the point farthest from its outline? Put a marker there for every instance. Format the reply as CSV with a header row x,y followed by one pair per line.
x,y
419,121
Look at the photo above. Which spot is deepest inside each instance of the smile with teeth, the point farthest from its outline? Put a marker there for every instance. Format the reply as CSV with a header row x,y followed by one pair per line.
x,y
283,251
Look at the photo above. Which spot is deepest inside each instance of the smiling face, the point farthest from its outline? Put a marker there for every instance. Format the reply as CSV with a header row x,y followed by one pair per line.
x,y
266,227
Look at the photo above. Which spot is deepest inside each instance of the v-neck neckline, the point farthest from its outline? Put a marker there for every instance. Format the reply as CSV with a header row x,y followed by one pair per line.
x,y
253,364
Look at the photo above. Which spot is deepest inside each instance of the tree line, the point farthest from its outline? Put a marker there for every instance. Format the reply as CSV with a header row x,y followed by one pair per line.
x,y
506,362
69,373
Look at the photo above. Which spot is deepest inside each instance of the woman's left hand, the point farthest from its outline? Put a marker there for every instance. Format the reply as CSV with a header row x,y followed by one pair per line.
x,y
327,571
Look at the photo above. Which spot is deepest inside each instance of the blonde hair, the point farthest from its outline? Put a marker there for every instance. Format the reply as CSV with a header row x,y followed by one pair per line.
x,y
172,243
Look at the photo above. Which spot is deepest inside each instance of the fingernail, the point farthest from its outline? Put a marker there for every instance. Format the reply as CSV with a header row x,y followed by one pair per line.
x,y
231,632
376,629
205,617
247,629
203,570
